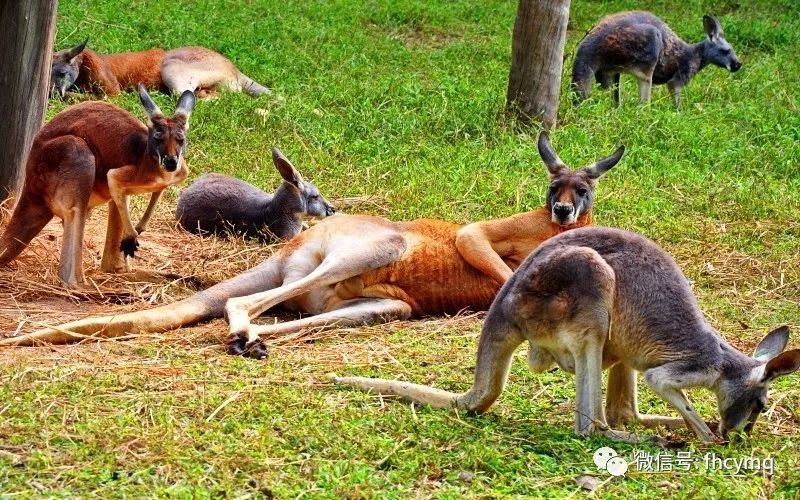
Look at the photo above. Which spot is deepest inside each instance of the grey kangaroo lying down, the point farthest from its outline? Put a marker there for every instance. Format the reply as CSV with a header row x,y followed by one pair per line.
x,y
641,44
218,204
596,298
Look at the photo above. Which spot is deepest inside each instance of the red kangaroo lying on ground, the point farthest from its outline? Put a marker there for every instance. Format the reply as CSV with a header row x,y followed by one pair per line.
x,y
188,68
90,154
352,270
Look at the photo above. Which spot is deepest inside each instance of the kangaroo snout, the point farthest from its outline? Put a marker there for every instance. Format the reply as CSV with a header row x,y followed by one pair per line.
x,y
735,66
60,85
563,212
170,163
329,210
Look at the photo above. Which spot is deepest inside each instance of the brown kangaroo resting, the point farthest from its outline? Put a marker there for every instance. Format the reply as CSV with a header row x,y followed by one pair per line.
x,y
188,68
597,298
90,154
356,270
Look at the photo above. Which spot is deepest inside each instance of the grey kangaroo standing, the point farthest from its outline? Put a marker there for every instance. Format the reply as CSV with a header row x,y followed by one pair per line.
x,y
643,45
595,298
218,204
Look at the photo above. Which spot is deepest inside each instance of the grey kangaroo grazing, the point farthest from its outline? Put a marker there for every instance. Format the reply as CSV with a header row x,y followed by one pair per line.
x,y
94,153
595,298
220,204
643,45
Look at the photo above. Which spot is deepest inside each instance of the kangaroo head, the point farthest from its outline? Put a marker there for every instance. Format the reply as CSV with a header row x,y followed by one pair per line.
x,y
65,68
717,50
571,191
295,194
166,137
743,396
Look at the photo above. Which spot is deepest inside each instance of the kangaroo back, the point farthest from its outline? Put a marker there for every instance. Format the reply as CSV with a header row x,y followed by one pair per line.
x,y
219,204
655,316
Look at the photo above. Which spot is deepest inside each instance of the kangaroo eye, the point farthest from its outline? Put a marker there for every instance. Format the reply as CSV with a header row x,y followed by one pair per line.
x,y
581,192
158,135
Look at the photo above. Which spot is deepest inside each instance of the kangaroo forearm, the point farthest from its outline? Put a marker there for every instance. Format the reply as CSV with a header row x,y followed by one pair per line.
x,y
120,198
478,252
148,213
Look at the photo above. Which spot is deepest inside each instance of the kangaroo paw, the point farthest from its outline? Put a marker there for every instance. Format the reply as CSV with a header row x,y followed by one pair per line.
x,y
128,246
237,347
257,350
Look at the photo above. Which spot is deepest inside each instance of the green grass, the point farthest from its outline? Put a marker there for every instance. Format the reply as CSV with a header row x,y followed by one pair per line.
x,y
405,99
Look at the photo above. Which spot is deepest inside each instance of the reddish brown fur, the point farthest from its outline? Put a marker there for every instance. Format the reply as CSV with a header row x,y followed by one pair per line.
x,y
69,168
336,270
434,278
115,136
111,73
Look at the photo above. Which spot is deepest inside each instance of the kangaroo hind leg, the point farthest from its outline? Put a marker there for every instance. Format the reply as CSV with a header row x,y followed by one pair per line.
x,y
343,258
70,201
354,312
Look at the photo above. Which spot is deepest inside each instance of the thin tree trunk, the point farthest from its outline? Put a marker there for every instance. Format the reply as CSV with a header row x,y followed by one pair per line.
x,y
27,28
537,58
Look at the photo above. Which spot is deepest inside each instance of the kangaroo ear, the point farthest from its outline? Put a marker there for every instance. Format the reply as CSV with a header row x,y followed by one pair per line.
x,y
286,169
147,102
76,50
598,168
712,26
782,364
549,157
773,344
185,103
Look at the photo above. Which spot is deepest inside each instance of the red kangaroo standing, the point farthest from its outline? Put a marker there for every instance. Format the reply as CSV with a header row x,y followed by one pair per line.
x,y
90,154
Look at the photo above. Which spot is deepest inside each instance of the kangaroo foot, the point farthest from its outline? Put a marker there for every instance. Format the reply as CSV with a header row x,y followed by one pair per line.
x,y
255,350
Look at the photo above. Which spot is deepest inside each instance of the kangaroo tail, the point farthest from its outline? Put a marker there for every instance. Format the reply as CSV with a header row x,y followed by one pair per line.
x,y
251,87
185,312
201,306
423,394
29,218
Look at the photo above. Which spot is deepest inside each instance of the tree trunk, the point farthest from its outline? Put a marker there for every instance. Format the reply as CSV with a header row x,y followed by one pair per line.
x,y
537,58
26,37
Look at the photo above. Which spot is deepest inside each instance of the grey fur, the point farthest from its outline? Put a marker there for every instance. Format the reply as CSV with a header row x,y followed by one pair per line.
x,y
64,68
642,44
149,105
252,87
186,103
658,328
219,204
593,298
